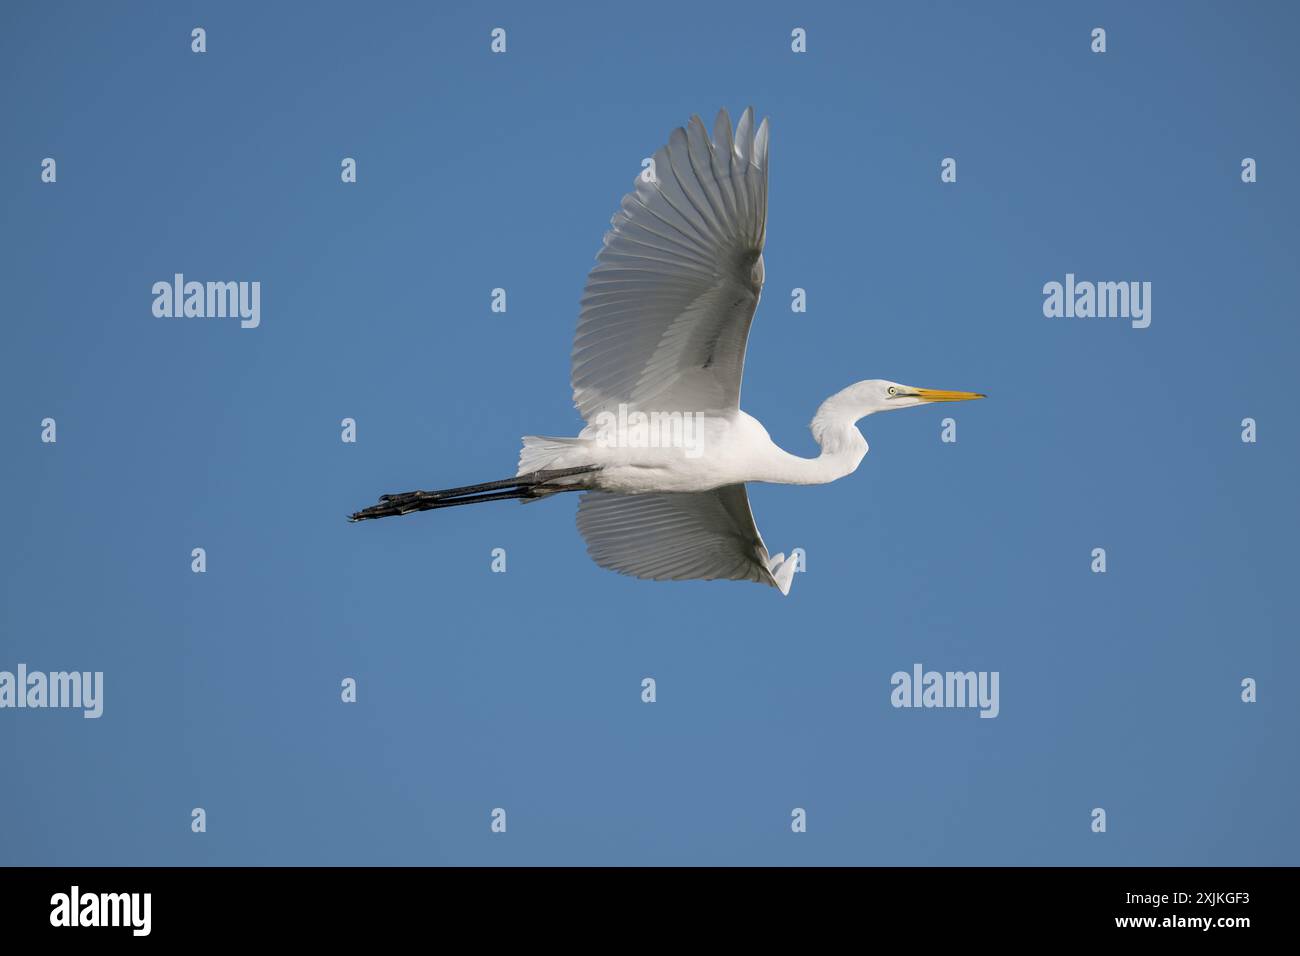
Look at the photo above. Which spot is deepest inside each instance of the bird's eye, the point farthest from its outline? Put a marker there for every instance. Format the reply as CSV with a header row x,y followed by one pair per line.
x,y
892,390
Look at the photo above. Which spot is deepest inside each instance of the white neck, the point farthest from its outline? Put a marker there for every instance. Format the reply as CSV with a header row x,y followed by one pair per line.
x,y
843,446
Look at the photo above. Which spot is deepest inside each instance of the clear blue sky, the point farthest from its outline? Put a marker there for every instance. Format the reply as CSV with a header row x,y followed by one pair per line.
x,y
522,690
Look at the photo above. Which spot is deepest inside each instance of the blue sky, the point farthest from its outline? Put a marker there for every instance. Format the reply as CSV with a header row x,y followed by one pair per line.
x,y
522,690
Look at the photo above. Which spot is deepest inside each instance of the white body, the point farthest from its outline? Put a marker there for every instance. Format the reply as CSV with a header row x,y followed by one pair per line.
x,y
665,319
727,450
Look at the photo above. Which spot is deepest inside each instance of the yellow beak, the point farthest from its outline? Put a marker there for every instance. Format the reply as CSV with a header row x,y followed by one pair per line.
x,y
939,395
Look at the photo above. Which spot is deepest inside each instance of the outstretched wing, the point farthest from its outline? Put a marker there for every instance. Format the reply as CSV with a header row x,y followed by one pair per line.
x,y
666,310
676,536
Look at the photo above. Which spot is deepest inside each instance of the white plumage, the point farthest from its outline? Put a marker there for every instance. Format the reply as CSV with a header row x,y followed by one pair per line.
x,y
657,364
666,311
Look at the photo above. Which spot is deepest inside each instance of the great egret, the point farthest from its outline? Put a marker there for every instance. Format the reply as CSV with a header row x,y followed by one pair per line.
x,y
661,339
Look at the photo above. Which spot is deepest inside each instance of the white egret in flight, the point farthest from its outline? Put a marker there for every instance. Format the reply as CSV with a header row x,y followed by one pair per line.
x,y
661,337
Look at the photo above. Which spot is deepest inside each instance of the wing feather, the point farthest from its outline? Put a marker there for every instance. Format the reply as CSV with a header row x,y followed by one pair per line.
x,y
666,311
676,536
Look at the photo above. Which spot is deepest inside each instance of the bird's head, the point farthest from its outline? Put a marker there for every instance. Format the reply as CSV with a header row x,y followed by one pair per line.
x,y
878,395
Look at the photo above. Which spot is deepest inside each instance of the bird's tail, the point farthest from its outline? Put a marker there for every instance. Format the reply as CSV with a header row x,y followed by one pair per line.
x,y
540,453
525,487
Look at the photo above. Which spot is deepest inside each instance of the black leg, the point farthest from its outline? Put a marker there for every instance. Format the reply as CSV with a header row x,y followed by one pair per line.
x,y
519,481
392,508
533,485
